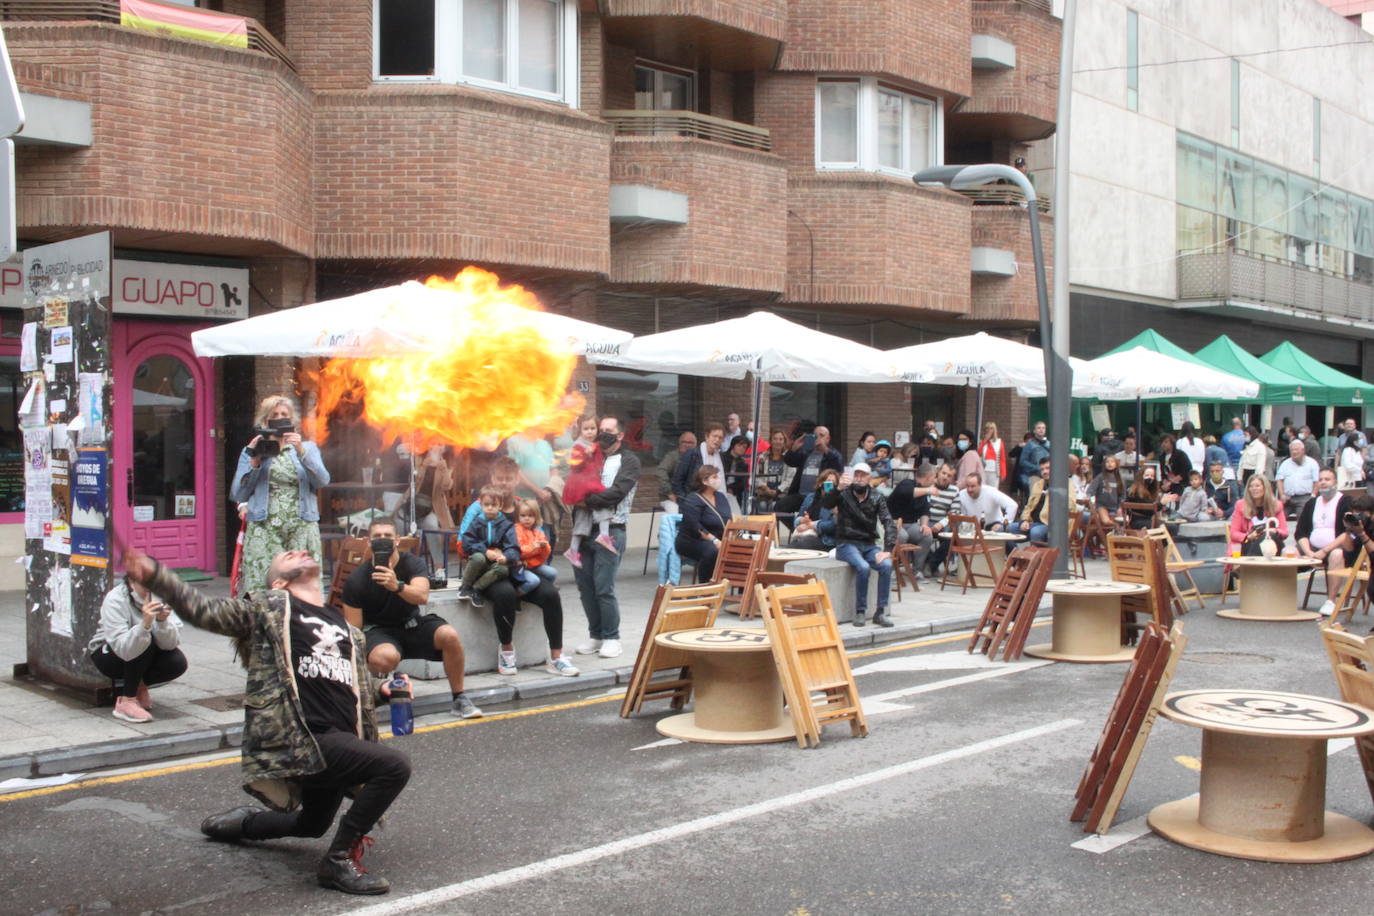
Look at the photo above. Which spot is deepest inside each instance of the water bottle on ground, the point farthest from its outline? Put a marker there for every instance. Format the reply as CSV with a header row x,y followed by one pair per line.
x,y
402,717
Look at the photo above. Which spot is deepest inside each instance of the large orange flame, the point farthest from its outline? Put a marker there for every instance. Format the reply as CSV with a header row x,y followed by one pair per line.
x,y
492,373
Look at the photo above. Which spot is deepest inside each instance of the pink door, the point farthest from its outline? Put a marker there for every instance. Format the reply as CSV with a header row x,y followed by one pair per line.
x,y
163,455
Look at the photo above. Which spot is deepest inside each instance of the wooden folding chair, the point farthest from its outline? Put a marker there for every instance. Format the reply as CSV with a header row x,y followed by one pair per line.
x,y
675,607
1129,507
968,547
743,555
352,553
817,681
1140,560
1003,603
1078,545
902,566
1175,566
1354,591
1352,661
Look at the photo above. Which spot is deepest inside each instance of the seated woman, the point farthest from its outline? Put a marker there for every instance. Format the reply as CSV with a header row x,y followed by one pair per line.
x,y
1145,491
704,513
736,462
1257,516
815,528
774,476
137,643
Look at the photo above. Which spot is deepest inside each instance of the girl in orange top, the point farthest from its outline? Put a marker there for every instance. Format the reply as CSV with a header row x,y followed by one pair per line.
x,y
534,546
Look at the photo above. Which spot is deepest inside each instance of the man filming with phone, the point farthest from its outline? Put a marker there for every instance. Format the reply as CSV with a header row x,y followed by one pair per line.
x,y
383,599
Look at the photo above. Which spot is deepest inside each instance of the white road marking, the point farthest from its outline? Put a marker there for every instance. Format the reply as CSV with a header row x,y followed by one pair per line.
x,y
1000,671
1134,829
442,895
934,661
879,707
666,742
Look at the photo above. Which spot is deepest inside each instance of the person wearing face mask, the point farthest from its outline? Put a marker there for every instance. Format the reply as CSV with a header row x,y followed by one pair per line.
x,y
948,452
1254,456
1321,534
1224,491
969,462
859,512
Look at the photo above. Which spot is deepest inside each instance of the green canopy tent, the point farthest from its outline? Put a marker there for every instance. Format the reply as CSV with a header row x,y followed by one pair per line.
x,y
1341,390
1276,386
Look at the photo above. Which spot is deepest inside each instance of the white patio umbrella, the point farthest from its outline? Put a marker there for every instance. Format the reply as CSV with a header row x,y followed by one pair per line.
x,y
1142,373
981,360
764,345
391,321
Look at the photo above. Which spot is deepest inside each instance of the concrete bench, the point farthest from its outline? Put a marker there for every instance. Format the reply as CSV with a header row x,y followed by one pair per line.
x,y
838,577
477,629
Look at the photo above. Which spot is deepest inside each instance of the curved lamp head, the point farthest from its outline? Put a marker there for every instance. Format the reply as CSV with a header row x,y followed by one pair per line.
x,y
962,177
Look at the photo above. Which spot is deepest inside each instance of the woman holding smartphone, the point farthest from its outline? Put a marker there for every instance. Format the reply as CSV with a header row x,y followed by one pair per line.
x,y
137,643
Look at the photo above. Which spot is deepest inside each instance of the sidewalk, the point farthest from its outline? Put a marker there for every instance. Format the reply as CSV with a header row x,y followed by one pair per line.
x,y
45,732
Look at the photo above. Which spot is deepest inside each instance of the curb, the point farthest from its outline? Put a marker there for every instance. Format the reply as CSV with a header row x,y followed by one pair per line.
x,y
82,758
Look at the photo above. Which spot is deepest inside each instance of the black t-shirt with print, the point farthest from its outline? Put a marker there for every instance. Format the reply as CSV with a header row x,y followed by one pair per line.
x,y
382,607
322,662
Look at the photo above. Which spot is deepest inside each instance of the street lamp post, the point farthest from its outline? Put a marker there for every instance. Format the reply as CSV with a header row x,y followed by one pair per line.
x,y
962,177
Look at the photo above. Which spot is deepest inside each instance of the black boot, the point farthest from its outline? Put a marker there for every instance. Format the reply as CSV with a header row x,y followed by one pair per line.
x,y
342,868
881,619
227,827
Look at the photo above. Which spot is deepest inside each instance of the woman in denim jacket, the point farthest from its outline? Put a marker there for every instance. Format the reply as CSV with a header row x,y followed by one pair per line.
x,y
283,508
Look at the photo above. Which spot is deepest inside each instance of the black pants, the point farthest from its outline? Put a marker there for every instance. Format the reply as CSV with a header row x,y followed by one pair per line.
x,y
703,552
153,666
383,772
505,602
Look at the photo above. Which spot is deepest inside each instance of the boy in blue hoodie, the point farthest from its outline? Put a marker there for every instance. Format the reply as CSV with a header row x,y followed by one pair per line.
x,y
490,544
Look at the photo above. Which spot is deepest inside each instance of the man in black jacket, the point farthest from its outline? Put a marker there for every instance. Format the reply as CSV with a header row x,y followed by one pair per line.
x,y
811,454
1321,534
860,510
595,578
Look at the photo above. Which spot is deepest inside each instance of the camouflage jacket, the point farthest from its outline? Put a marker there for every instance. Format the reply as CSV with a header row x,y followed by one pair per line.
x,y
278,749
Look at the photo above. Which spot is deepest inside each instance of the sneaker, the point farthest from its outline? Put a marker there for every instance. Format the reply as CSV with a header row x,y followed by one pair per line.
x,y
590,647
464,708
505,662
476,599
127,708
881,619
1327,609
465,593
605,540
561,665
142,696
610,648
573,557
858,618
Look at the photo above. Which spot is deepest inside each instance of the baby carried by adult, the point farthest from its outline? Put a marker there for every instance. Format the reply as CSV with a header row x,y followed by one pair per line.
x,y
585,463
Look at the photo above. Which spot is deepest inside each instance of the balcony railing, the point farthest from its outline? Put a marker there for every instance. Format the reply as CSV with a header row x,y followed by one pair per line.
x,y
1046,5
633,123
1226,275
1004,195
259,39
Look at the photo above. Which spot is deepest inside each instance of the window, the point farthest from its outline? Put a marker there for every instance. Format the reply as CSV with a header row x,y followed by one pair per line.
x,y
870,125
524,46
662,88
1235,102
1132,60
1317,138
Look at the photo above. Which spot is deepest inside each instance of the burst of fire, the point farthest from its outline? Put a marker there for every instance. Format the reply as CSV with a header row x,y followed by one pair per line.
x,y
493,372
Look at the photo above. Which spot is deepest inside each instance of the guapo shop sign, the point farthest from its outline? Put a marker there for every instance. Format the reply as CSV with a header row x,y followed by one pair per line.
x,y
159,289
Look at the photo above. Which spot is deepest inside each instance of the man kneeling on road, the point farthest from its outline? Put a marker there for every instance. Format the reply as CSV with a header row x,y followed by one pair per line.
x,y
309,726
383,600
856,524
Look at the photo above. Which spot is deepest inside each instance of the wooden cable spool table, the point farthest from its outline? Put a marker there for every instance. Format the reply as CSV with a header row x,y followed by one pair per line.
x,y
1087,621
781,556
738,696
1268,588
1263,780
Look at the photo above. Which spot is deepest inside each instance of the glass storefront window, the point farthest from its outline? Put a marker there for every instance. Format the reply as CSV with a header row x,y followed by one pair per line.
x,y
11,442
656,407
799,407
1197,230
164,423
1271,208
1236,188
1361,226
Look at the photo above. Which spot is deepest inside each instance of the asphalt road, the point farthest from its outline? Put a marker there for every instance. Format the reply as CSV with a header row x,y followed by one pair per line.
x,y
957,802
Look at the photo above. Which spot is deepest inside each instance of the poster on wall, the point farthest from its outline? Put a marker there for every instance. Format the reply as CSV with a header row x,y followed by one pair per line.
x,y
90,507
37,482
91,408
1102,418
61,349
28,347
185,505
55,312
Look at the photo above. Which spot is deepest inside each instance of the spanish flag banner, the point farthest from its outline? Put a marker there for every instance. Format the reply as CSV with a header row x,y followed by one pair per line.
x,y
184,22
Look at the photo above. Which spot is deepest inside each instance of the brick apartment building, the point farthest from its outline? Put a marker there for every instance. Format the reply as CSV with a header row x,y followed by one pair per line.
x,y
647,164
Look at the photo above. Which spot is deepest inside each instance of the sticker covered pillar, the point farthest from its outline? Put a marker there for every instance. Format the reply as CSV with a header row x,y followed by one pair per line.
x,y
65,418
